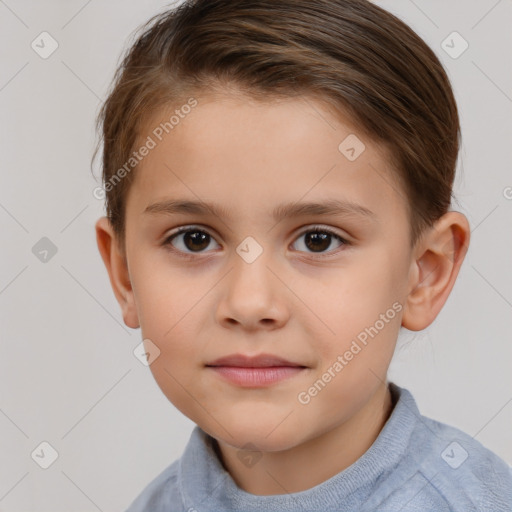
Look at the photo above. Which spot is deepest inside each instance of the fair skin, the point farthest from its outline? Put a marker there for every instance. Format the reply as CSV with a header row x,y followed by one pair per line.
x,y
292,301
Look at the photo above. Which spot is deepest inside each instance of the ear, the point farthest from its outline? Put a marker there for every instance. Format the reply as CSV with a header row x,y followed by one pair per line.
x,y
117,268
437,259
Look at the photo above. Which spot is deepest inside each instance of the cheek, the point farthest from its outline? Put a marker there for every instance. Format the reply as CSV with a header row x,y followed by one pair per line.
x,y
168,306
162,293
361,303
169,318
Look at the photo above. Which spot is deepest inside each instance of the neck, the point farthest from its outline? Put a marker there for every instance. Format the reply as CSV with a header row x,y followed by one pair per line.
x,y
315,461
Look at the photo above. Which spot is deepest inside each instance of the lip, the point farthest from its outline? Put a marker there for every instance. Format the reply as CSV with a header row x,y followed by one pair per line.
x,y
258,361
255,371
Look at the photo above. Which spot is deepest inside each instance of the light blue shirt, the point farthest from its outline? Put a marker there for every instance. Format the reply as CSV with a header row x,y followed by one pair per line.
x,y
415,464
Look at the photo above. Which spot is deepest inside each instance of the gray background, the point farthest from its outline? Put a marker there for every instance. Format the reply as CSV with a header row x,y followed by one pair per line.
x,y
68,375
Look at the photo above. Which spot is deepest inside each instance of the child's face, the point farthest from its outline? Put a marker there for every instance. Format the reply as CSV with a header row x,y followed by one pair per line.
x,y
302,299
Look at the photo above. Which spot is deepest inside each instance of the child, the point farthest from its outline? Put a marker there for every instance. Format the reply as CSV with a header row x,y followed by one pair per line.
x,y
308,150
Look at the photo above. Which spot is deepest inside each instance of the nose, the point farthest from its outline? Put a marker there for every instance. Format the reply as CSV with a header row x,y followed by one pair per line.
x,y
252,296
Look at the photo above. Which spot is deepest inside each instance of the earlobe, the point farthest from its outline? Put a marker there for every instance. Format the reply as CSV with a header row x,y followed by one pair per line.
x,y
435,266
117,268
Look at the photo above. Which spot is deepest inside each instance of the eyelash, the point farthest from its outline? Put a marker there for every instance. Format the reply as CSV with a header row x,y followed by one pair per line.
x,y
314,229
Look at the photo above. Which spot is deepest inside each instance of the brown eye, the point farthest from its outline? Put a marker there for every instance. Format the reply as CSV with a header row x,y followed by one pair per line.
x,y
318,240
189,240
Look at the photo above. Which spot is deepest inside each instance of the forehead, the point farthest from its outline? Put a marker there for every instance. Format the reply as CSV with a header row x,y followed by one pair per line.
x,y
250,156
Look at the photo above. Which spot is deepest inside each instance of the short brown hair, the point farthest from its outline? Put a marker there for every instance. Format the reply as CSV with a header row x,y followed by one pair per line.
x,y
351,54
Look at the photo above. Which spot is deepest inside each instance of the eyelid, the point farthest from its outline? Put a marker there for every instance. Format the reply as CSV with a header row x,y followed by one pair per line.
x,y
345,241
321,227
303,229
188,227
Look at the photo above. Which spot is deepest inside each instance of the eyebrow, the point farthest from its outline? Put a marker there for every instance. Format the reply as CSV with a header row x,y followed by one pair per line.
x,y
283,211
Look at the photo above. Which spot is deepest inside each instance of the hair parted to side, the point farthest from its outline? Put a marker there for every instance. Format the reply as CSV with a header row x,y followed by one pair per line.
x,y
355,57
